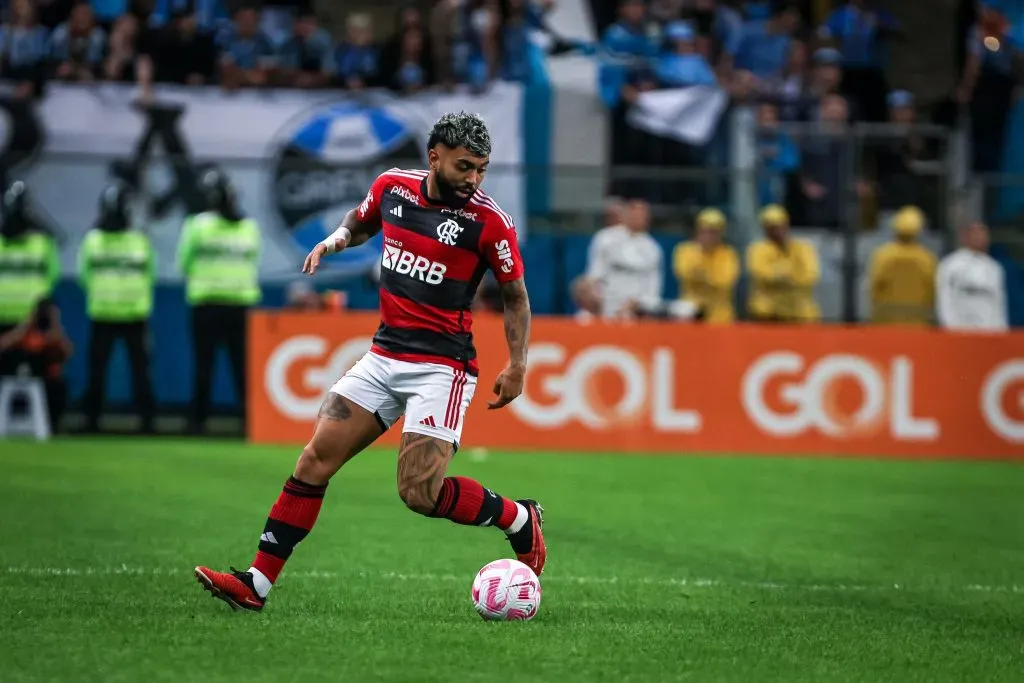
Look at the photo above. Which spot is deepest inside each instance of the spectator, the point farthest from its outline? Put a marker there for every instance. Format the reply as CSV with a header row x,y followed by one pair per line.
x,y
247,54
356,59
778,157
122,55
861,33
185,53
707,269
789,88
725,25
442,29
971,285
77,46
629,49
682,65
666,11
407,59
783,273
898,159
991,76
826,78
824,165
306,59
623,76
23,47
40,345
765,47
625,264
901,276
414,70
514,39
475,47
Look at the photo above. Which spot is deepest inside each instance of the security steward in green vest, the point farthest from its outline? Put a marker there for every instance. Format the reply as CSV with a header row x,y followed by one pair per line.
x,y
219,255
29,263
117,269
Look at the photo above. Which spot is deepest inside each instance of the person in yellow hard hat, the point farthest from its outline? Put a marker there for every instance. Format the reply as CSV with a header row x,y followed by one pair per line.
x,y
783,273
707,269
901,275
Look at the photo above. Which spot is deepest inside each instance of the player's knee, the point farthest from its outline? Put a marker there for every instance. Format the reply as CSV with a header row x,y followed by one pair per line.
x,y
314,466
419,495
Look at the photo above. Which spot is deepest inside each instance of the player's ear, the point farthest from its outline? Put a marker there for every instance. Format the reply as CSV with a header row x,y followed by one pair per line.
x,y
433,158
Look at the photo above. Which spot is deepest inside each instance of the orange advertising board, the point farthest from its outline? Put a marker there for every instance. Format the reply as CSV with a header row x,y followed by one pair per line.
x,y
674,388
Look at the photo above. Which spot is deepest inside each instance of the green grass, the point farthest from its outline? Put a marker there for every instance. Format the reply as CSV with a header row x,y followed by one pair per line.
x,y
696,569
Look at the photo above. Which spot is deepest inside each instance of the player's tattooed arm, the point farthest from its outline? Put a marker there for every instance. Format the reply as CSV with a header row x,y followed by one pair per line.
x,y
517,320
360,231
517,334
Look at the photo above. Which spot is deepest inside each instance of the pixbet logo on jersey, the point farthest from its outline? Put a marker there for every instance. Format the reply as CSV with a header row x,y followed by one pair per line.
x,y
407,263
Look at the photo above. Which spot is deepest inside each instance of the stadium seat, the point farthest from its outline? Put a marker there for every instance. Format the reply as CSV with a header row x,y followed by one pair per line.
x,y
37,420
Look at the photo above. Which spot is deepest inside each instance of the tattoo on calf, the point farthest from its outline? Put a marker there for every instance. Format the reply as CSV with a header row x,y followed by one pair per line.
x,y
422,463
334,407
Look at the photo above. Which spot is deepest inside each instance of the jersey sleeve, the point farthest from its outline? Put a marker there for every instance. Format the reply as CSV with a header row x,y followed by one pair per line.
x,y
500,247
369,210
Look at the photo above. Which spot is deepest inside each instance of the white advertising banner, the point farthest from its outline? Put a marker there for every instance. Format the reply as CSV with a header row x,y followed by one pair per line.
x,y
299,159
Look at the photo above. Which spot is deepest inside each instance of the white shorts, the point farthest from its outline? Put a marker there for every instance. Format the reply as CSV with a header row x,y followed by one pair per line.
x,y
433,397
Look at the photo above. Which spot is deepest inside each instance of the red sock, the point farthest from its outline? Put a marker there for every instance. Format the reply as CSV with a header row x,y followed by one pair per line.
x,y
465,501
291,519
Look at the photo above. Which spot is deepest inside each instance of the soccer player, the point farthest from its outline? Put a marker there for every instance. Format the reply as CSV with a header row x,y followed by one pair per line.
x,y
441,233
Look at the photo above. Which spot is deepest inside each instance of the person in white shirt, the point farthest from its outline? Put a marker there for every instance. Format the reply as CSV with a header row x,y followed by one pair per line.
x,y
625,265
971,285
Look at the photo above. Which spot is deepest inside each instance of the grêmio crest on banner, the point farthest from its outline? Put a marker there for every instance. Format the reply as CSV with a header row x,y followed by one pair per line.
x,y
300,160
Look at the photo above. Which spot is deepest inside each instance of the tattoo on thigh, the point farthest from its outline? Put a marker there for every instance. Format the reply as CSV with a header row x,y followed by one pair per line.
x,y
422,461
335,407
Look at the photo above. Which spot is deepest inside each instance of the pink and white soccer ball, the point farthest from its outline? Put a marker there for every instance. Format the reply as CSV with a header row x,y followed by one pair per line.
x,y
506,590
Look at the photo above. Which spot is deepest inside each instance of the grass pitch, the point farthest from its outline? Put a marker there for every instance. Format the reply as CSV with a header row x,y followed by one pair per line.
x,y
696,569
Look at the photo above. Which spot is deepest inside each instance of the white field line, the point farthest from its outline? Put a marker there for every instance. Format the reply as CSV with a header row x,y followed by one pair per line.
x,y
125,570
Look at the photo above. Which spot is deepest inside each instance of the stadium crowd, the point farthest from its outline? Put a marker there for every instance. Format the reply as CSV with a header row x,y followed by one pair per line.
x,y
817,78
281,44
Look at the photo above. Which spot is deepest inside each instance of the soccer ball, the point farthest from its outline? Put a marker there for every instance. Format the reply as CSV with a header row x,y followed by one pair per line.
x,y
506,590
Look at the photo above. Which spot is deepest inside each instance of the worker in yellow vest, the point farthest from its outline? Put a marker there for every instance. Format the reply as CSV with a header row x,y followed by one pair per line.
x,y
29,263
219,254
707,269
117,270
783,273
901,275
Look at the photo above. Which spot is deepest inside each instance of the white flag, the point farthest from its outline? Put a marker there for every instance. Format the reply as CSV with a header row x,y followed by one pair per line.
x,y
690,115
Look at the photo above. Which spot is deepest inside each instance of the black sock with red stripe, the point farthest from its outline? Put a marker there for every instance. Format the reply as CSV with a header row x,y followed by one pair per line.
x,y
290,521
465,501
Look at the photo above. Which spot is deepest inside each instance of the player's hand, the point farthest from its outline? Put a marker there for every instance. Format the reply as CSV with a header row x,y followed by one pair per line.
x,y
313,258
508,386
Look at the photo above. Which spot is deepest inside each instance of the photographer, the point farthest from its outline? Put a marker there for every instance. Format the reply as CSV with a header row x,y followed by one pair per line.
x,y
39,345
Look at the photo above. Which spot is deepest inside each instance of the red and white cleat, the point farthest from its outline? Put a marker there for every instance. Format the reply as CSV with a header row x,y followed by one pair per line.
x,y
234,587
538,553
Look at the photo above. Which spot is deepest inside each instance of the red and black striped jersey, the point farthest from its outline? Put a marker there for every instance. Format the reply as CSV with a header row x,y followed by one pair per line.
x,y
434,258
